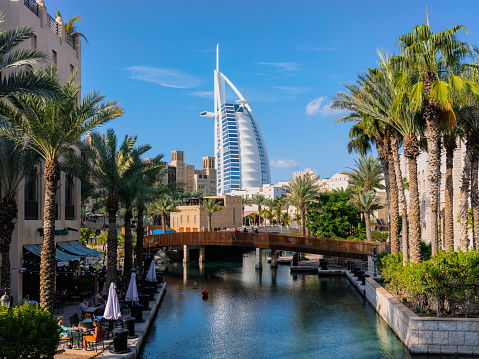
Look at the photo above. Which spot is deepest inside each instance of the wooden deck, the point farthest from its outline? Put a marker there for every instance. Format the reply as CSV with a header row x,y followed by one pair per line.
x,y
326,246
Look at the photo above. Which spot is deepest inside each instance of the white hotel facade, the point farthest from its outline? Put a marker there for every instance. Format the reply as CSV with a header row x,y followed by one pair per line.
x,y
241,156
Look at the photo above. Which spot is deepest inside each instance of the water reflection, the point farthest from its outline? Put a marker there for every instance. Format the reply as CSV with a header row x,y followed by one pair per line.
x,y
267,313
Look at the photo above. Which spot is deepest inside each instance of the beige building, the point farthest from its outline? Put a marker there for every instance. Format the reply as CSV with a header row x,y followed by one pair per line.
x,y
64,51
194,180
190,218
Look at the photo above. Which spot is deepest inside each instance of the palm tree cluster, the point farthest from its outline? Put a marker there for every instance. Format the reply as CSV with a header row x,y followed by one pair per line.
x,y
422,98
364,180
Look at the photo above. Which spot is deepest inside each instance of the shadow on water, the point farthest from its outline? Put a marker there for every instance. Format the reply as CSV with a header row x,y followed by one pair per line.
x,y
268,313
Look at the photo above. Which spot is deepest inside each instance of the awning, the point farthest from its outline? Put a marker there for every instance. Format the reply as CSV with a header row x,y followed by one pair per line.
x,y
62,258
79,249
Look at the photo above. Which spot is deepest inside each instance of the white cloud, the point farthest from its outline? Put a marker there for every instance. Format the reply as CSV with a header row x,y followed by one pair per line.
x,y
165,76
316,107
283,66
283,163
204,94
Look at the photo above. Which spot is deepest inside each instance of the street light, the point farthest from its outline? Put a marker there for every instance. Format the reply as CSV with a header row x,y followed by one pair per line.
x,y
5,300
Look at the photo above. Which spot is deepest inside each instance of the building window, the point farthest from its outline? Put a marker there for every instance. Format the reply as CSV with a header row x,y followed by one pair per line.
x,y
187,219
34,42
54,57
31,202
69,198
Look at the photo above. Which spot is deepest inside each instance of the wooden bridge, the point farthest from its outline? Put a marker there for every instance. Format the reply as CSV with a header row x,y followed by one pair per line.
x,y
304,244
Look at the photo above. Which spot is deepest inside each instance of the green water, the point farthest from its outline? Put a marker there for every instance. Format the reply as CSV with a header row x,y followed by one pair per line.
x,y
265,314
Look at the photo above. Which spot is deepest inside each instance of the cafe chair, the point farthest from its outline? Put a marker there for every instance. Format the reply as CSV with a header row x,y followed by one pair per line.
x,y
99,340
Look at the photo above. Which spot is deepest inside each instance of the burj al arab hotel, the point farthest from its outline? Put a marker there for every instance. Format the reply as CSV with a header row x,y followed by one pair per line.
x,y
241,157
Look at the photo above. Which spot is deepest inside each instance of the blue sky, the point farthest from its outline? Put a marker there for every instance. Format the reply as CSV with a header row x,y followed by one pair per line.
x,y
288,57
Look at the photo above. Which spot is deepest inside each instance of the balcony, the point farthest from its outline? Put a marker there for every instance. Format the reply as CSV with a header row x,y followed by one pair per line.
x,y
32,5
31,210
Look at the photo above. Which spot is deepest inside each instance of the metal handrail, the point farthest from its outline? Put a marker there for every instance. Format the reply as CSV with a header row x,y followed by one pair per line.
x,y
52,24
32,5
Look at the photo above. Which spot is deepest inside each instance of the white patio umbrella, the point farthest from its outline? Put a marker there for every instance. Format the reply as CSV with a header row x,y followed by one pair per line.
x,y
151,276
132,293
112,308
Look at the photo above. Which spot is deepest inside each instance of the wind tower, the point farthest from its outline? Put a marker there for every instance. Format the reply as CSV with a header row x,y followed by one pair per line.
x,y
241,156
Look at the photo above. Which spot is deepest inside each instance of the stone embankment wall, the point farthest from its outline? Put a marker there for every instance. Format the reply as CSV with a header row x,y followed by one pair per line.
x,y
421,335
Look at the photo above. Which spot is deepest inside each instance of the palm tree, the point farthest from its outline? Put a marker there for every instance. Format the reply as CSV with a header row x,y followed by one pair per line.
x,y
285,218
367,175
302,191
270,203
428,59
210,206
163,205
12,57
366,202
258,200
109,162
15,164
70,26
52,127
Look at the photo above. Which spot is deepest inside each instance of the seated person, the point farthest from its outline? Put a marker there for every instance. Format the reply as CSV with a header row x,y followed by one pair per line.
x,y
99,299
26,299
84,305
96,335
121,296
139,282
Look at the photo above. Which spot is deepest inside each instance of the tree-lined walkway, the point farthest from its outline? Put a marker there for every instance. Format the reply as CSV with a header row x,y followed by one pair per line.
x,y
325,246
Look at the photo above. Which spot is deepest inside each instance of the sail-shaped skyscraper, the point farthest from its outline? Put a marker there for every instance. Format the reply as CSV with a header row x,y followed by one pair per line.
x,y
241,156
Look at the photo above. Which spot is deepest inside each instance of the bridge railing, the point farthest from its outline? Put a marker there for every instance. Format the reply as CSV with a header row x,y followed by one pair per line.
x,y
326,246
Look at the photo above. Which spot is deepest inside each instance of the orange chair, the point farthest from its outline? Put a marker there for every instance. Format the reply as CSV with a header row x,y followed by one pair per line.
x,y
99,339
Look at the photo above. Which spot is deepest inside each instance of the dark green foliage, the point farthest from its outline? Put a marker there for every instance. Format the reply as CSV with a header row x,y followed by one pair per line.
x,y
425,250
333,215
28,332
447,282
380,236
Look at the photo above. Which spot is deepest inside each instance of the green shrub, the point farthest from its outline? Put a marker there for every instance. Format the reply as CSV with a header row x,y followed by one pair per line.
x,y
380,236
28,332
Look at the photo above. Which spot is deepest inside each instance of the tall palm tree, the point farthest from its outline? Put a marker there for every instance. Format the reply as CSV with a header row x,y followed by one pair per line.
x,y
210,206
52,127
302,191
367,202
15,164
367,175
428,59
108,162
258,200
163,205
22,81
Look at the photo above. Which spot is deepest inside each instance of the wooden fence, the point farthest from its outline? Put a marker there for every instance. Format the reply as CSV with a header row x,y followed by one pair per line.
x,y
304,244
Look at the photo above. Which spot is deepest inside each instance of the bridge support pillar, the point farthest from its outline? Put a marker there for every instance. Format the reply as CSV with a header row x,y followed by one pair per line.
x,y
202,254
274,258
186,254
259,259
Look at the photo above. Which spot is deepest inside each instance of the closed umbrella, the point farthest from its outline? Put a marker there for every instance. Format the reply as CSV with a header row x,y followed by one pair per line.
x,y
132,293
151,276
112,308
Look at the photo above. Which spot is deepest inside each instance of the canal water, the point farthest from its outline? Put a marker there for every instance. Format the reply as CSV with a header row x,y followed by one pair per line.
x,y
267,313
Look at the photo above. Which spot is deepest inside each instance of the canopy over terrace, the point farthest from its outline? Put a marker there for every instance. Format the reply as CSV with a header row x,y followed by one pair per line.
x,y
79,249
62,258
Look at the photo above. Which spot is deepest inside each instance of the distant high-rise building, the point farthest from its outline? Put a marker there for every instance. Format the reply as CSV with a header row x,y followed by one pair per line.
x,y
240,152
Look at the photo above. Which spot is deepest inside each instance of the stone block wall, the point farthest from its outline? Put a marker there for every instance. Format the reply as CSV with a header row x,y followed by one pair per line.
x,y
422,335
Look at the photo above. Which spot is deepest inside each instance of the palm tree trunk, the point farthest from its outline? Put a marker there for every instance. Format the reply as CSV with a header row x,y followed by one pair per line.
x,y
383,158
8,214
163,220
411,151
464,199
112,244
367,222
449,196
475,194
210,229
402,198
139,241
48,263
431,115
259,215
394,208
303,221
128,247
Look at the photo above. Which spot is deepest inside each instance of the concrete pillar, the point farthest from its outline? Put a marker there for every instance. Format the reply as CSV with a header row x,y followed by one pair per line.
x,y
274,258
259,259
202,257
186,254
185,272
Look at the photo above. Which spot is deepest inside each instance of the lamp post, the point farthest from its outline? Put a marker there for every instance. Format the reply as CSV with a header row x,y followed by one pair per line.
x,y
374,257
5,299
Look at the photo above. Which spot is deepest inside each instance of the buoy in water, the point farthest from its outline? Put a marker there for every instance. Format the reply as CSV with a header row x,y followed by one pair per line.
x,y
205,293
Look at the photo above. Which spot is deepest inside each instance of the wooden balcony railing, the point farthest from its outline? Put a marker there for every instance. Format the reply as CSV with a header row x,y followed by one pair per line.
x,y
326,246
